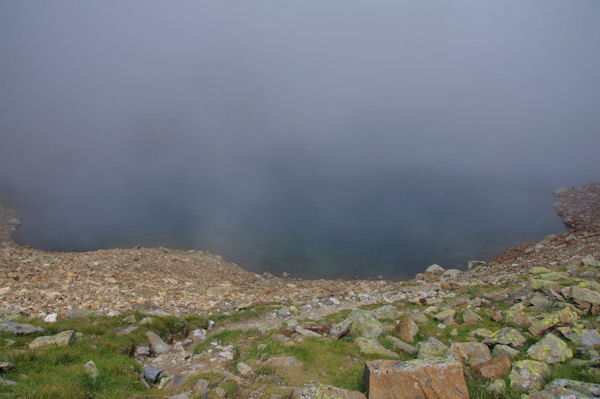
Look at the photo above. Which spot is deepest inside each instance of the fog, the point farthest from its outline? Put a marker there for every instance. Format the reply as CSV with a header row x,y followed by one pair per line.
x,y
322,138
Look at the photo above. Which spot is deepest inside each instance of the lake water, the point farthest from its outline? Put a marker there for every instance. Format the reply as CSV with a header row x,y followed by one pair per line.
x,y
394,225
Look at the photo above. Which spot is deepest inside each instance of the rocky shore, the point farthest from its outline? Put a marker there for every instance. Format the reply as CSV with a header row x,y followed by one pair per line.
x,y
157,322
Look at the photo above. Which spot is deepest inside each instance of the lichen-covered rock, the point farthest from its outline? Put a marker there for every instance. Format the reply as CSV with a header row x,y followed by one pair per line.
x,y
316,390
403,346
564,317
586,388
497,386
359,323
434,378
517,317
19,329
431,348
581,336
446,316
505,350
481,333
493,369
539,270
556,393
470,317
542,285
157,345
61,339
527,375
387,312
470,353
550,349
373,347
584,297
435,270
407,329
506,336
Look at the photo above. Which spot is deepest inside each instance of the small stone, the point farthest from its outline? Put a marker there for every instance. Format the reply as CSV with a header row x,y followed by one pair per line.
x,y
91,369
130,319
243,369
142,351
198,335
6,367
157,345
62,339
152,373
373,347
19,329
493,369
505,350
51,318
497,386
4,381
281,361
435,270
470,317
220,392
407,329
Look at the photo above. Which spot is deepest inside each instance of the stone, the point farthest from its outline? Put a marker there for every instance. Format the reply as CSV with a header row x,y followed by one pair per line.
x,y
446,316
517,317
564,317
586,388
469,353
431,348
550,349
157,345
403,346
542,285
505,350
51,318
435,270
183,395
435,378
130,319
588,260
506,336
451,273
387,312
481,333
473,264
61,339
152,373
218,291
497,386
4,381
19,329
91,369
331,301
493,369
243,369
407,329
539,270
6,367
201,386
540,300
359,323
281,361
305,332
581,336
470,317
556,393
582,296
147,320
373,347
419,317
220,392
317,390
198,335
527,375
142,351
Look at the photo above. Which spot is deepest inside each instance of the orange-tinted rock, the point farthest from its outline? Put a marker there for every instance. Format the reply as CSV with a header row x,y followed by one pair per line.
x,y
407,329
415,379
494,368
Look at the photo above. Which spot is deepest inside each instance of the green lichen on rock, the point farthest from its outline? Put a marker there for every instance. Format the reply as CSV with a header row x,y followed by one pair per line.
x,y
541,285
359,323
550,349
506,336
527,375
373,347
564,317
432,348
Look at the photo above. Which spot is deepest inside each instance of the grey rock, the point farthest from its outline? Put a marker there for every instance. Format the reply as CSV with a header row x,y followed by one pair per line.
x,y
4,381
243,369
19,329
157,345
152,373
586,388
505,350
431,348
142,351
91,369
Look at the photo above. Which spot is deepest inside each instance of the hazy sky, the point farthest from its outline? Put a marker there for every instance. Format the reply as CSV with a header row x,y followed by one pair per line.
x,y
113,107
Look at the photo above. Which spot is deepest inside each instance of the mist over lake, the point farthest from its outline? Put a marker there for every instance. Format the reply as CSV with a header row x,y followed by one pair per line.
x,y
330,139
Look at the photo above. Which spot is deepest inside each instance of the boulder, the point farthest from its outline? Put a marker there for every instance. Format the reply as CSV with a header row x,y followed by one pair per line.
x,y
317,390
527,375
403,346
586,388
19,329
550,349
470,353
387,312
563,317
431,348
584,297
581,336
157,345
493,369
542,285
470,317
373,347
497,386
473,264
506,336
243,369
152,373
446,316
505,350
62,339
517,317
281,361
435,270
359,323
407,329
556,393
415,379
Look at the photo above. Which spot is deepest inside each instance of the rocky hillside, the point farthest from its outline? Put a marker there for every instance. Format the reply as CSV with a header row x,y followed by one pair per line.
x,y
144,322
